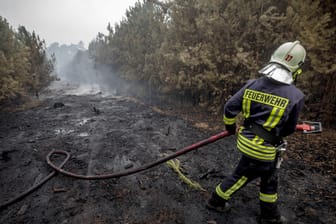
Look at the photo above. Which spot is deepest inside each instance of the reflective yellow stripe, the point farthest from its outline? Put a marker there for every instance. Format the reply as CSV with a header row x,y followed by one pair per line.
x,y
246,108
253,150
270,198
257,140
278,103
252,153
274,118
261,148
227,194
229,121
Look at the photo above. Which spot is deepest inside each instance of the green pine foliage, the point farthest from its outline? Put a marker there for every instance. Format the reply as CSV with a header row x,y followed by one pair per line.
x,y
316,29
12,52
24,67
205,50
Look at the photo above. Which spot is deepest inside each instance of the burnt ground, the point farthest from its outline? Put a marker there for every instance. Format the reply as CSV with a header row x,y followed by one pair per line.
x,y
123,133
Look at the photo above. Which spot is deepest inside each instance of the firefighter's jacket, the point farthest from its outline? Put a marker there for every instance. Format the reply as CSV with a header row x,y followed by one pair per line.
x,y
271,104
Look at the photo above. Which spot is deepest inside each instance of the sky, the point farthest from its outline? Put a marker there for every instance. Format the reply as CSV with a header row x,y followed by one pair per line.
x,y
64,21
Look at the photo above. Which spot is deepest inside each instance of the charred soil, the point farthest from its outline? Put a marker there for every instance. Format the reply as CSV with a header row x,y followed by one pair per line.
x,y
107,134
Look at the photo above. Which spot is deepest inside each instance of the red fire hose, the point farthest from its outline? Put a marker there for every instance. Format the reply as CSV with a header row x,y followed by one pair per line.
x,y
138,169
112,175
306,127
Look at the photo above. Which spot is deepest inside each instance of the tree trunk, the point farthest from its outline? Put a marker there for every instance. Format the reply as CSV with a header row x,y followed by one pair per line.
x,y
328,103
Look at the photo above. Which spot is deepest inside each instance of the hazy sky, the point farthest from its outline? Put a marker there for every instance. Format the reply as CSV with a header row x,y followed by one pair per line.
x,y
64,21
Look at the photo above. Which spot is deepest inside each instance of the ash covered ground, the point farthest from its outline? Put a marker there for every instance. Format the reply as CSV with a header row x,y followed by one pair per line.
x,y
105,133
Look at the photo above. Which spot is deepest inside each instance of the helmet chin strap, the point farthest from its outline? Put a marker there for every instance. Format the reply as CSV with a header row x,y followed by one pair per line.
x,y
296,74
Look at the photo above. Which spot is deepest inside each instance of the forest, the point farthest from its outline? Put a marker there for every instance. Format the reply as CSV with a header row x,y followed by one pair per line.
x,y
205,50
197,50
25,68
188,57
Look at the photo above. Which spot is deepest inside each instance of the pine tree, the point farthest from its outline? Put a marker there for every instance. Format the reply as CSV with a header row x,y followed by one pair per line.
x,y
13,64
40,66
24,67
316,29
205,50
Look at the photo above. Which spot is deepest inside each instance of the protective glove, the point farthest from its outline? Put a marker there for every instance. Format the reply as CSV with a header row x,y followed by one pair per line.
x,y
231,128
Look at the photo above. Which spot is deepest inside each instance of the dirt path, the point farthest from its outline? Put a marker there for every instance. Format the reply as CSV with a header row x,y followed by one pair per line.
x,y
121,134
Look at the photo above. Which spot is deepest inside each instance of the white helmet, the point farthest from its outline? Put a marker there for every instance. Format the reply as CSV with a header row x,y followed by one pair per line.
x,y
291,55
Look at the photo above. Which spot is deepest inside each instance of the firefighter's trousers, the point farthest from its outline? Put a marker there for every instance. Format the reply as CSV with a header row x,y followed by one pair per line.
x,y
247,170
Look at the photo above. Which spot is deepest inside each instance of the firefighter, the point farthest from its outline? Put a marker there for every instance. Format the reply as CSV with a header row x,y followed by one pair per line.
x,y
270,105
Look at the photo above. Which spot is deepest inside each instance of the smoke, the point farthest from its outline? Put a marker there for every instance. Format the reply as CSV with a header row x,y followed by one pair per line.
x,y
89,77
81,75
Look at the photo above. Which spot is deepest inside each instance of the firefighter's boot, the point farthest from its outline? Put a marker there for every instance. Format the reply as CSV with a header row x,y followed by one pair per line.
x,y
218,204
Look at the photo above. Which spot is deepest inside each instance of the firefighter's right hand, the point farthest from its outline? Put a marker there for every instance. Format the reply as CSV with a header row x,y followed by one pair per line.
x,y
231,128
